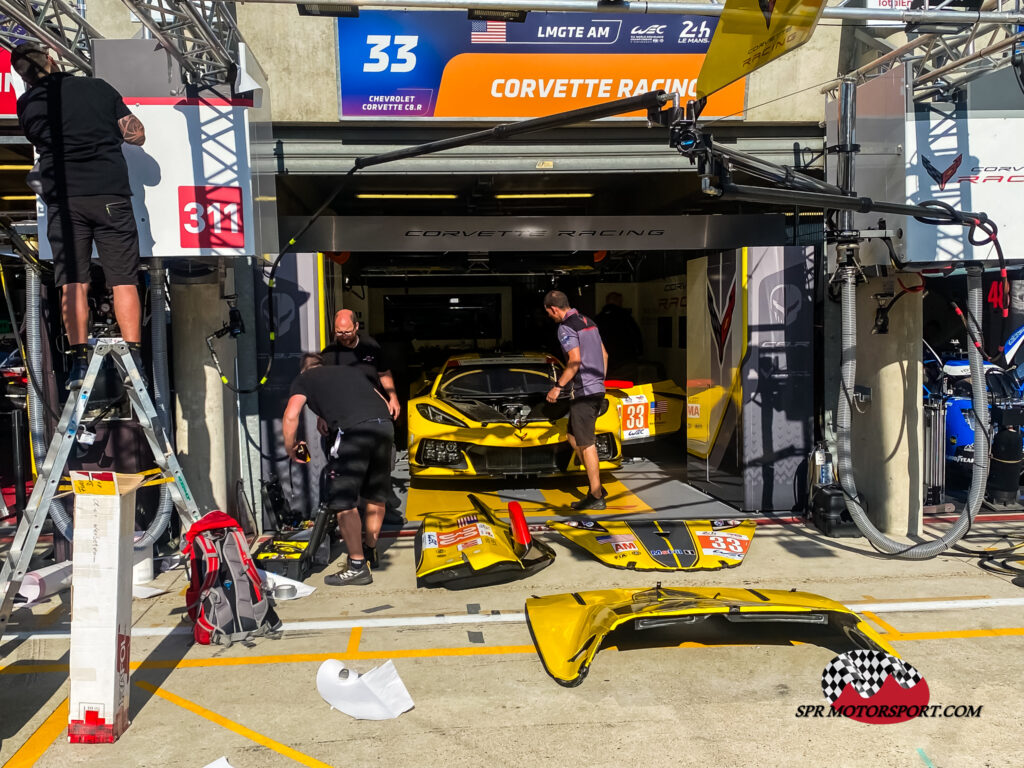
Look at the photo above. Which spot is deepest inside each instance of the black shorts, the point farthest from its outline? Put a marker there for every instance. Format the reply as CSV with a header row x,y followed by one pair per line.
x,y
362,469
107,221
583,419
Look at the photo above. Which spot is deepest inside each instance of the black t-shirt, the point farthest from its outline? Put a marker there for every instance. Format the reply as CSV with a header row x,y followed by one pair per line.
x,y
72,122
366,355
341,395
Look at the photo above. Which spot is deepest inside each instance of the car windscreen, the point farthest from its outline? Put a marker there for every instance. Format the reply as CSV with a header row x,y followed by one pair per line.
x,y
496,380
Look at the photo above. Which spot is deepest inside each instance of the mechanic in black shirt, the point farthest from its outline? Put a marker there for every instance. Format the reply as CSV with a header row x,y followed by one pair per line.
x,y
361,350
359,464
77,125
621,336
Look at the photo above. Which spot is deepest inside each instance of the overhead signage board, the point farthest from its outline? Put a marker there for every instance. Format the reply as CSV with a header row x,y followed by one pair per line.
x,y
440,64
521,234
752,33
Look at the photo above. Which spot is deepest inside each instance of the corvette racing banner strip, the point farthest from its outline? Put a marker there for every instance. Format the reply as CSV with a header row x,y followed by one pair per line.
x,y
440,64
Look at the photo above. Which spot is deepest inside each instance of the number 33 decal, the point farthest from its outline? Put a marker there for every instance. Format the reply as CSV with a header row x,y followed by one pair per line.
x,y
405,59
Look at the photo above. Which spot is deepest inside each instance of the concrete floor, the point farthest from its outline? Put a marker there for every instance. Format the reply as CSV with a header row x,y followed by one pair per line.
x,y
483,699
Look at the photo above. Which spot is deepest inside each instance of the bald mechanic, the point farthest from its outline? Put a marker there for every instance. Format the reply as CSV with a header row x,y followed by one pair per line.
x,y
584,372
361,350
360,435
77,125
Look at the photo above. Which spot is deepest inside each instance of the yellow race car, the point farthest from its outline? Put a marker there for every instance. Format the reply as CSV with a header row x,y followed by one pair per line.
x,y
488,417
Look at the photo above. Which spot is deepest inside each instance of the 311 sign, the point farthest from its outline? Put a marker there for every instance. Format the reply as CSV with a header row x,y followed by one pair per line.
x,y
211,217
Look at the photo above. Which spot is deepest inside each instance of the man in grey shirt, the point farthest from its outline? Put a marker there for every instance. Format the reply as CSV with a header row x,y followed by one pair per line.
x,y
585,366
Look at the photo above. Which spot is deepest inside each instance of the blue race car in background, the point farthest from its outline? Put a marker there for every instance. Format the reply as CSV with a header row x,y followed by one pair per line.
x,y
950,380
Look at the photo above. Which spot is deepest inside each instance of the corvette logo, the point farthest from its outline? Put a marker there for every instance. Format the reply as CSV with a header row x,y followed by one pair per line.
x,y
767,7
721,319
941,177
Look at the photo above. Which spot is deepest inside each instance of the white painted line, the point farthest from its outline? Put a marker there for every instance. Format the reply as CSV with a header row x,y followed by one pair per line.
x,y
914,606
407,621
314,626
910,606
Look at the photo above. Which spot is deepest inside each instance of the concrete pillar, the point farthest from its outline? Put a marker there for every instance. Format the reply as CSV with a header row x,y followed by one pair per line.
x,y
888,431
203,405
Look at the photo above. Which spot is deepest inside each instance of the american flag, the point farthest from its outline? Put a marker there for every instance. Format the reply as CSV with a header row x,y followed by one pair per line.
x,y
487,32
659,406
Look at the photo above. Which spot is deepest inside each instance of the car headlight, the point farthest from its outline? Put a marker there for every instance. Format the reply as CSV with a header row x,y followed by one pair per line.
x,y
603,409
441,453
430,413
605,447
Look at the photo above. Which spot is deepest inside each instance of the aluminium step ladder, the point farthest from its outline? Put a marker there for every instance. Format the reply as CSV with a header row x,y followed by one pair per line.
x,y
48,480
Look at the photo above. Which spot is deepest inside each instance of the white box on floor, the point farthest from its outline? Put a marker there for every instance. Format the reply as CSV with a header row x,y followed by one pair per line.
x,y
101,605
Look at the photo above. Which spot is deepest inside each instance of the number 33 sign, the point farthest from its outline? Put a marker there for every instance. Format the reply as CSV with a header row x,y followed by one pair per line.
x,y
211,217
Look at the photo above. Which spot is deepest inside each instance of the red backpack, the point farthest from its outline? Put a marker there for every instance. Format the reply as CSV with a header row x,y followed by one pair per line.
x,y
225,597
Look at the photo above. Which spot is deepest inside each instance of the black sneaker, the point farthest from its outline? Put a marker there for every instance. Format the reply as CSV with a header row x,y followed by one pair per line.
x,y
372,560
350,576
588,502
79,367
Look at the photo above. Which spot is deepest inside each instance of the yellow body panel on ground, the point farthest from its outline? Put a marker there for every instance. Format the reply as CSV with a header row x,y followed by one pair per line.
x,y
459,550
672,545
568,629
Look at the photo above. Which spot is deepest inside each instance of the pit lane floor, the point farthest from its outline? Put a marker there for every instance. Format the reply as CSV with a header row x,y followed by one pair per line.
x,y
483,699
651,484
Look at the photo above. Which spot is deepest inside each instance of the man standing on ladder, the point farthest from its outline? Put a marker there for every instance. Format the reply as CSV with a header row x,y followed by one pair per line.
x,y
77,125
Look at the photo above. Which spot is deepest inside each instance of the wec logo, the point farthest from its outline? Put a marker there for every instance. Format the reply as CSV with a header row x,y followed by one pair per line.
x,y
653,29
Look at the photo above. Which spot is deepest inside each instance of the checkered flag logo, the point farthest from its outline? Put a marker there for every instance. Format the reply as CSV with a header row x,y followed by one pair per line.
x,y
867,672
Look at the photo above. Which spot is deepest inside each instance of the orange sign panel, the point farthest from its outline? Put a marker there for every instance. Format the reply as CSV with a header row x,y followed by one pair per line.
x,y
513,85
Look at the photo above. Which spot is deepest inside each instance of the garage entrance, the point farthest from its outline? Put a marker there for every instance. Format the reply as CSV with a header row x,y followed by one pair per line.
x,y
459,265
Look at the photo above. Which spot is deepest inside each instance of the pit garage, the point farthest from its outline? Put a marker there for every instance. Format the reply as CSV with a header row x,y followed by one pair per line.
x,y
710,322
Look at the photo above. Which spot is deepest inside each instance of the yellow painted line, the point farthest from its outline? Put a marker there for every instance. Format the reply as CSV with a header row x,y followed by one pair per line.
x,y
870,599
620,499
888,628
58,612
22,668
241,730
354,637
961,634
429,653
28,668
42,739
301,658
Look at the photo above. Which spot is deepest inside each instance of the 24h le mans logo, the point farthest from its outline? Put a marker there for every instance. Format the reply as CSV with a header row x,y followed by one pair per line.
x,y
874,687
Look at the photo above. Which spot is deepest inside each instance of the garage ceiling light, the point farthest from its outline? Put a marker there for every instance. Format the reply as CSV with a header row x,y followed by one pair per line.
x,y
333,10
497,14
410,196
544,195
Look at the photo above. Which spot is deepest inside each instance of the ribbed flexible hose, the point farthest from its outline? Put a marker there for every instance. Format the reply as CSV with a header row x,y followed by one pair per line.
x,y
161,390
36,411
843,423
